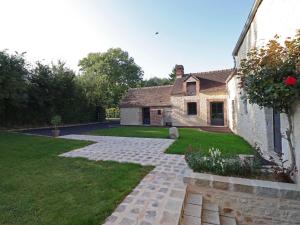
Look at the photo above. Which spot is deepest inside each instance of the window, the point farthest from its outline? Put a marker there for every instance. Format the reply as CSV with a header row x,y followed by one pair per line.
x,y
191,88
159,112
192,108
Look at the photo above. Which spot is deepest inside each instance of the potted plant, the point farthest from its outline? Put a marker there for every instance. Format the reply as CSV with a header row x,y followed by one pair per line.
x,y
55,121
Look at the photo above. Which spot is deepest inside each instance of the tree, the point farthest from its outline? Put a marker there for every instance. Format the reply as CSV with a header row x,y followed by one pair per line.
x,y
108,75
155,81
270,77
13,86
172,75
41,93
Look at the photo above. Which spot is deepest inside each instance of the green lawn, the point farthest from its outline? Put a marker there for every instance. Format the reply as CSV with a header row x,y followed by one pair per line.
x,y
38,187
229,144
135,131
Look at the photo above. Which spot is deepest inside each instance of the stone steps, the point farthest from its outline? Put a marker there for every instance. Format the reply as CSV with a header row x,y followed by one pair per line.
x,y
197,211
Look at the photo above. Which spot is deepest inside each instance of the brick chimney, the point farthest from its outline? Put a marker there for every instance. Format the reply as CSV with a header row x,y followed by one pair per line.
x,y
179,71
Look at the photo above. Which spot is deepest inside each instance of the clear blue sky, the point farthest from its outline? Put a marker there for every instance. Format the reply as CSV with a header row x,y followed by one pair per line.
x,y
200,34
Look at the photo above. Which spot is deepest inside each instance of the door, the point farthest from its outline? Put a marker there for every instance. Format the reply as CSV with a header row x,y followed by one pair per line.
x,y
217,113
146,115
277,132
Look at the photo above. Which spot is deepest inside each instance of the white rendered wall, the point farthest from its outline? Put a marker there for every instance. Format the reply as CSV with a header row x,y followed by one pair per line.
x,y
130,116
273,17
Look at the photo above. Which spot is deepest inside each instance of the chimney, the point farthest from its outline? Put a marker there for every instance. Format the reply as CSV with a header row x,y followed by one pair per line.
x,y
179,71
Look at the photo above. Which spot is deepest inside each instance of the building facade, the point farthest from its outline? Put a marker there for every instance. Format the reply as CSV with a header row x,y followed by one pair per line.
x,y
264,127
195,99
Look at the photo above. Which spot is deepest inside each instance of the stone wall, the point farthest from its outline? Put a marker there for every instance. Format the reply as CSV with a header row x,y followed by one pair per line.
x,y
250,209
179,108
249,201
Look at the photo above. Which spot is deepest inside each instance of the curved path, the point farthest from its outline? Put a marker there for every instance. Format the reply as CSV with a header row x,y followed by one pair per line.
x,y
159,197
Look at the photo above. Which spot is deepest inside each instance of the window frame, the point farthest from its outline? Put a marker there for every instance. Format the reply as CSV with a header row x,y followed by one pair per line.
x,y
194,84
194,112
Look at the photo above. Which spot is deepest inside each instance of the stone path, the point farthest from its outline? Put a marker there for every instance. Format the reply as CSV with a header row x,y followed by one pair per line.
x,y
159,197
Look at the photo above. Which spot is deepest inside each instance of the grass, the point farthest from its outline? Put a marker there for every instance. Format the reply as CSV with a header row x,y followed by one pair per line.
x,y
229,144
38,187
135,131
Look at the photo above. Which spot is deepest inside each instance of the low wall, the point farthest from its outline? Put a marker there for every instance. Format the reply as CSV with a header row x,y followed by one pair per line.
x,y
249,201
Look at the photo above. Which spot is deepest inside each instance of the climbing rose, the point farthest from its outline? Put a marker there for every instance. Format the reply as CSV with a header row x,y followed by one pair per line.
x,y
291,81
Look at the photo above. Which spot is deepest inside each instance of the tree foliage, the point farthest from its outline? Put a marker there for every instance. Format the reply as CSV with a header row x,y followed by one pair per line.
x,y
270,75
172,75
156,81
107,76
32,94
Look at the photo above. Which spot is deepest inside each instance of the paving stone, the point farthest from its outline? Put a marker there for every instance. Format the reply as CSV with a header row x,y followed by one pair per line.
x,y
191,220
195,199
192,210
211,217
127,221
210,206
227,220
159,197
177,194
169,218
173,205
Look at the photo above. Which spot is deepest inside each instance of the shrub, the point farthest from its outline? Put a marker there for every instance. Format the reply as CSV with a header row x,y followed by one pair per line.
x,y
56,121
218,164
113,113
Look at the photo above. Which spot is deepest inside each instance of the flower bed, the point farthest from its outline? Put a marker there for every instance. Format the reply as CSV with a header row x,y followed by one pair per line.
x,y
237,166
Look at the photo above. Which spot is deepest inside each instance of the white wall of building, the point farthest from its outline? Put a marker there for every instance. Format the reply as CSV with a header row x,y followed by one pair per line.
x,y
130,116
273,17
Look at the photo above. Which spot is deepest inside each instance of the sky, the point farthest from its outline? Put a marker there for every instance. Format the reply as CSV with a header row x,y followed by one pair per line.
x,y
199,34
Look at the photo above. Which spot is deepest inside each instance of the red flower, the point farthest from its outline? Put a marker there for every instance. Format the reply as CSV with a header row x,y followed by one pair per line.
x,y
291,81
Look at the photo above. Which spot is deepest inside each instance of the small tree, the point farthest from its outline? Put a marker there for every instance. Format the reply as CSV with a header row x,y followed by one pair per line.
x,y
269,76
56,121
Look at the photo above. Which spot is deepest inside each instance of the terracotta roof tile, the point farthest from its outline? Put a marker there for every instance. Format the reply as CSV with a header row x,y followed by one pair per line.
x,y
160,95
217,75
147,96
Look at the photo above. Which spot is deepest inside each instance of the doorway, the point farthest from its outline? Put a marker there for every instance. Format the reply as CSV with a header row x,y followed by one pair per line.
x,y
146,116
277,132
217,113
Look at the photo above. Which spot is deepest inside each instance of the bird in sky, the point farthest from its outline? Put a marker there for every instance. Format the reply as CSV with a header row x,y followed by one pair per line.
x,y
156,33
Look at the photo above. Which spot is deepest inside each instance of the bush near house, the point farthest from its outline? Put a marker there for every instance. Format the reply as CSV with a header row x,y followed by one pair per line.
x,y
216,163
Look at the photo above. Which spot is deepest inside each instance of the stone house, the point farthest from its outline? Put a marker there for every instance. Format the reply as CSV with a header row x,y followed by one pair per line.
x,y
195,99
263,127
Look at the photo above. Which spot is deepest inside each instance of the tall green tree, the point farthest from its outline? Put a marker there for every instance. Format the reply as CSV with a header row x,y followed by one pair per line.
x,y
108,75
13,86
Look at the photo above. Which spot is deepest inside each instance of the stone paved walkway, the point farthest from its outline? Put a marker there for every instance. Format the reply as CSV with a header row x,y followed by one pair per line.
x,y
159,197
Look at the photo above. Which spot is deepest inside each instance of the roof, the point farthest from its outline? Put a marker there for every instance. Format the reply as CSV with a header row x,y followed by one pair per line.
x,y
148,96
247,26
161,95
217,76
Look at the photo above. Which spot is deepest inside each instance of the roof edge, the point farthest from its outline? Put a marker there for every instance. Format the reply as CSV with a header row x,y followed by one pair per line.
x,y
247,26
210,71
234,72
168,85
